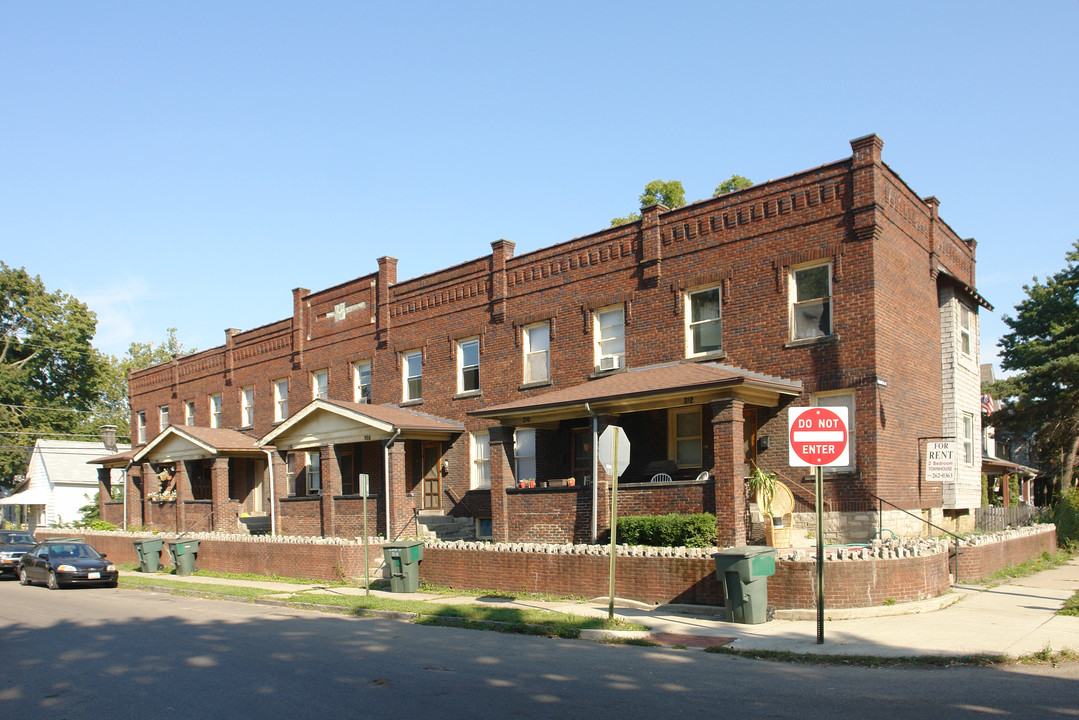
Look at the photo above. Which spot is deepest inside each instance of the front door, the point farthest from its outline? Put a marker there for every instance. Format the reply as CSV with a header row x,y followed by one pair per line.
x,y
432,476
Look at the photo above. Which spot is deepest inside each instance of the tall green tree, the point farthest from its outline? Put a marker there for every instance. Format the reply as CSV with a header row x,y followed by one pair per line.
x,y
735,182
666,192
50,375
1043,349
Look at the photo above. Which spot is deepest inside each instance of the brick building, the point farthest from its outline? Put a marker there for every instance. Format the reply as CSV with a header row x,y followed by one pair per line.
x,y
476,392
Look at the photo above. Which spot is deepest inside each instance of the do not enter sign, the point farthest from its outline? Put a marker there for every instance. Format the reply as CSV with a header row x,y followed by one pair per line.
x,y
818,436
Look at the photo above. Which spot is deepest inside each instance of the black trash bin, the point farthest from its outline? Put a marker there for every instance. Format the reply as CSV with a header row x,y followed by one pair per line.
x,y
403,559
149,552
745,571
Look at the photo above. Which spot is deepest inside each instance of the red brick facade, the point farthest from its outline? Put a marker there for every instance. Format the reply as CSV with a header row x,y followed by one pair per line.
x,y
886,252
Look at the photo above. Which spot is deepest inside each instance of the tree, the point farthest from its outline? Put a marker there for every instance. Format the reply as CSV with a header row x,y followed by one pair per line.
x,y
735,182
50,375
1043,349
665,192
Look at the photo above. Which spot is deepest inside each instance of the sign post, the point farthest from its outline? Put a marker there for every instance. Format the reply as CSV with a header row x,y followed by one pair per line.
x,y
613,453
818,437
366,542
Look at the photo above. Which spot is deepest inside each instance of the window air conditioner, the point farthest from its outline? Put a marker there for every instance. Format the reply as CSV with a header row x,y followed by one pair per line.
x,y
610,362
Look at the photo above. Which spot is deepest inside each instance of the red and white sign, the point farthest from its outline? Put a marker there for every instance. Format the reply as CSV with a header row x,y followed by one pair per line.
x,y
818,437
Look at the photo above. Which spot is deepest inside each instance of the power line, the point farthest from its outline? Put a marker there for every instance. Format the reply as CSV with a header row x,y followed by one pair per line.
x,y
55,409
49,432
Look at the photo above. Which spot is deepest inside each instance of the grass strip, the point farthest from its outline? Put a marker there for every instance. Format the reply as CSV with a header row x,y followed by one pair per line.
x,y
231,590
1047,561
870,661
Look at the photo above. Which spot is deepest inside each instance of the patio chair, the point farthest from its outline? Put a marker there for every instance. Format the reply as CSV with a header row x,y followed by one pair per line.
x,y
778,516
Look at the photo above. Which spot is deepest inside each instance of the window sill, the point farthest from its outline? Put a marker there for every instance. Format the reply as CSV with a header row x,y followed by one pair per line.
x,y
468,394
703,357
822,340
410,403
536,384
606,373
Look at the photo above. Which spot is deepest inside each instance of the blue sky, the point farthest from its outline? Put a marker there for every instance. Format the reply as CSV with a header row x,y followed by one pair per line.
x,y
186,165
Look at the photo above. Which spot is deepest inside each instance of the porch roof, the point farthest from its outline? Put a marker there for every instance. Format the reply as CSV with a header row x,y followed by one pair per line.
x,y
116,460
191,442
336,421
992,464
647,388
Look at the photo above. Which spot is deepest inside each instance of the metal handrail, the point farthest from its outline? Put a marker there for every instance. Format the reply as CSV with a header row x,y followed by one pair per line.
x,y
880,522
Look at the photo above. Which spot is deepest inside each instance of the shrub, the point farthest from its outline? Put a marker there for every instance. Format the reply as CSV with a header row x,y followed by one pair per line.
x,y
673,530
1066,518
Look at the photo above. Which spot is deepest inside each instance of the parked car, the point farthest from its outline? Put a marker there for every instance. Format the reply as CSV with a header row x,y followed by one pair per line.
x,y
66,561
13,543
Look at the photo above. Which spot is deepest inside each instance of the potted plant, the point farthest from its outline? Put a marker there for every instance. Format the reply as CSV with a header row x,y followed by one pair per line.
x,y
762,484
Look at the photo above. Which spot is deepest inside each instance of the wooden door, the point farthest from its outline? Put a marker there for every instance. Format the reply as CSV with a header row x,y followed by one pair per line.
x,y
432,476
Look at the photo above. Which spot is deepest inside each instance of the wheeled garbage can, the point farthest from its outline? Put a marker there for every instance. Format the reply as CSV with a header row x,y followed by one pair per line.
x,y
149,552
183,555
745,571
403,559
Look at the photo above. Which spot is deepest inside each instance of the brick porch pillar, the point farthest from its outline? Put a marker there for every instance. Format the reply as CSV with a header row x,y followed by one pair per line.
x,y
219,496
104,489
133,497
151,483
183,494
400,509
501,470
729,471
279,486
331,488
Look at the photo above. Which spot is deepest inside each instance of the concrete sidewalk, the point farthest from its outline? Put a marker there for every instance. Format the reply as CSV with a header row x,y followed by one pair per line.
x,y
1012,619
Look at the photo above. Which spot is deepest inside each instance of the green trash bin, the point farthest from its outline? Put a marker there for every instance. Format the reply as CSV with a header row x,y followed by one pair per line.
x,y
183,555
403,559
745,571
149,552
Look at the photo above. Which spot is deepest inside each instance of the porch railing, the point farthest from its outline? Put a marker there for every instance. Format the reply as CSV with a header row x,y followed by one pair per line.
x,y
993,519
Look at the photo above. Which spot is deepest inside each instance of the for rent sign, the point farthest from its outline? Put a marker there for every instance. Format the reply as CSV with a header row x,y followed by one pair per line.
x,y
940,461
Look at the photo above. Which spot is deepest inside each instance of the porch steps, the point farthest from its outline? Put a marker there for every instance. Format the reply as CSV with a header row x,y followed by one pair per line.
x,y
446,527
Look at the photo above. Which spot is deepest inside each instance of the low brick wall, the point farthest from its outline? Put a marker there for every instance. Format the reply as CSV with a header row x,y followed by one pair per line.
x,y
981,561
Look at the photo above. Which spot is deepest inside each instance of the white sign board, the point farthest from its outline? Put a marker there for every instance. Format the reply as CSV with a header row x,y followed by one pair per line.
x,y
940,461
818,437
610,438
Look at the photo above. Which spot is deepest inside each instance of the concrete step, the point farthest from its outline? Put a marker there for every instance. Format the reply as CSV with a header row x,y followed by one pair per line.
x,y
446,527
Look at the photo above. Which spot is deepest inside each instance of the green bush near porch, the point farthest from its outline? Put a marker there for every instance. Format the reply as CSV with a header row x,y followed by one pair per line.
x,y
672,530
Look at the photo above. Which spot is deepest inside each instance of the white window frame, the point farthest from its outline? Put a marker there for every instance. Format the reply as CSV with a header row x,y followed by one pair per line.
x,y
674,439
691,324
480,456
312,459
215,410
162,418
189,412
796,303
968,438
412,360
531,337
247,406
140,421
280,400
361,381
848,399
612,345
966,326
468,373
524,454
320,384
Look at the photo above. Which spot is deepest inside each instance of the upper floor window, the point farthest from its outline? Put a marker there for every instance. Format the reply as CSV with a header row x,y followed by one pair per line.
x,y
610,335
361,376
468,365
684,436
968,438
215,411
524,450
965,324
140,421
189,412
162,417
704,326
841,398
811,301
280,400
320,384
537,352
412,375
481,460
247,406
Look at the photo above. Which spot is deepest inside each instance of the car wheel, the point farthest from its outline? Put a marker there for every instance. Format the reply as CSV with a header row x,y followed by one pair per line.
x,y
54,584
23,580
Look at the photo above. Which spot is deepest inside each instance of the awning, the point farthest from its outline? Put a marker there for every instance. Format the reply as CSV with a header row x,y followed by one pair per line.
x,y
992,464
29,496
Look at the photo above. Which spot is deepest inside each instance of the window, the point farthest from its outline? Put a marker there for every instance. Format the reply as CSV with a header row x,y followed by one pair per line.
x,y
320,384
247,406
484,528
290,473
413,375
968,438
704,326
215,411
280,400
481,460
610,337
684,437
162,417
582,454
468,365
811,301
140,420
361,375
346,463
844,398
189,412
537,349
524,449
964,328
314,472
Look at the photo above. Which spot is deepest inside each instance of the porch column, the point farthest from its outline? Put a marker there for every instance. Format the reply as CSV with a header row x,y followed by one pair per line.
x,y
400,510
183,494
104,489
501,469
279,487
150,484
729,470
219,496
331,487
133,497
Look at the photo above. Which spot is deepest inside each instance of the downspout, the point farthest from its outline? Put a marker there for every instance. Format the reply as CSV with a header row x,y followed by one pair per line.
x,y
124,471
595,470
273,492
386,477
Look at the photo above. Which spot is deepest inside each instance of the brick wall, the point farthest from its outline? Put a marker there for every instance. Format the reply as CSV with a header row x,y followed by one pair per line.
x,y
981,561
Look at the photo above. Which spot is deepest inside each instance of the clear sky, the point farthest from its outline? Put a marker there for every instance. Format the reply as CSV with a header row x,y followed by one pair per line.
x,y
187,164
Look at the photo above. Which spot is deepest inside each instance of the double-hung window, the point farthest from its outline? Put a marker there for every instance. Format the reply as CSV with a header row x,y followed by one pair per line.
x,y
314,473
968,438
189,412
247,406
361,385
140,421
811,301
524,451
280,400
610,334
468,365
412,375
215,411
684,436
841,398
320,384
481,460
537,352
704,324
162,417
965,324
